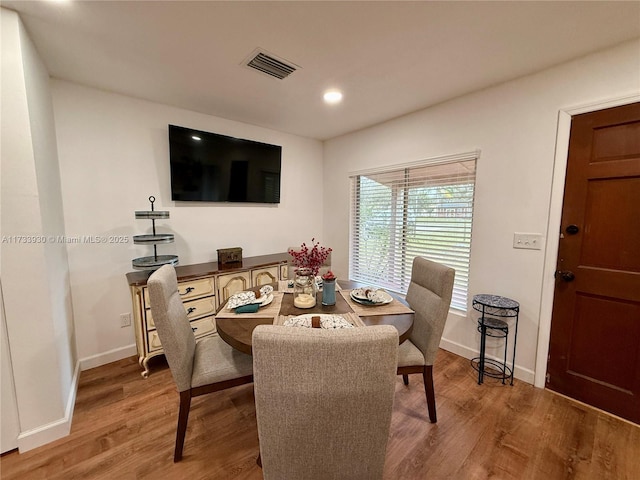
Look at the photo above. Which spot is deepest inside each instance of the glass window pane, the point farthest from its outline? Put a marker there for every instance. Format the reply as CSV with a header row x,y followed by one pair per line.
x,y
423,210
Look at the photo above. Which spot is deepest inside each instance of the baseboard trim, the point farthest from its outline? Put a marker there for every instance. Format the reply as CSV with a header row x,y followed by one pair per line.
x,y
36,437
524,374
107,357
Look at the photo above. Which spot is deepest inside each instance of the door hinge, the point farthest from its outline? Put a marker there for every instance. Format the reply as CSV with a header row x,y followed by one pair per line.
x,y
548,378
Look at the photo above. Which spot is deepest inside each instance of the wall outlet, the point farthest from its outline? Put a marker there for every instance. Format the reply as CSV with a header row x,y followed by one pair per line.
x,y
125,320
532,241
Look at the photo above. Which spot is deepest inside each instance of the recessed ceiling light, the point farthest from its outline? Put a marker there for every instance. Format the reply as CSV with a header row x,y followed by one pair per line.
x,y
333,96
195,137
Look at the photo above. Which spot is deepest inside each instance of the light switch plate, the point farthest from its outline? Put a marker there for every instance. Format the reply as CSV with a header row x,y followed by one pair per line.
x,y
531,241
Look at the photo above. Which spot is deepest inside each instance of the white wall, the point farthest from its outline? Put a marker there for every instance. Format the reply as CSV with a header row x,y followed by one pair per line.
x,y
10,426
35,282
514,125
114,154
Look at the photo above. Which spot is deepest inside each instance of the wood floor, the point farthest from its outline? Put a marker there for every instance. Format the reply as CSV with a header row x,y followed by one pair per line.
x,y
124,428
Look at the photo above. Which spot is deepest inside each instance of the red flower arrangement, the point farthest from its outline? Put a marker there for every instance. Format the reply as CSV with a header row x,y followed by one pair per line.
x,y
312,258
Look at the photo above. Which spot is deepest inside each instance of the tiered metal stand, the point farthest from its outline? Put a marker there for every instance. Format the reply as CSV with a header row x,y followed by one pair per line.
x,y
155,261
492,306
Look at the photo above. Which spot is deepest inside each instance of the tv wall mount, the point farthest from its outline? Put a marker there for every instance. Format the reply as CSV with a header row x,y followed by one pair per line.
x,y
155,261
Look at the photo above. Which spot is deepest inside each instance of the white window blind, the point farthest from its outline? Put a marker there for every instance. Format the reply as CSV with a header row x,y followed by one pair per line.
x,y
419,210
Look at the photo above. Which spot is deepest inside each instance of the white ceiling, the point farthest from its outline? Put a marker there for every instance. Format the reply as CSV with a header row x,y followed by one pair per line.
x,y
388,58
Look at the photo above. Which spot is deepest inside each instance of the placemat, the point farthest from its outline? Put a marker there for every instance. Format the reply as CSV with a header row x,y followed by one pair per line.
x,y
272,310
393,308
352,318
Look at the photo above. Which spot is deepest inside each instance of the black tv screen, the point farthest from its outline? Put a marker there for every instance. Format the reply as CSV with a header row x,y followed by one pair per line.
x,y
208,167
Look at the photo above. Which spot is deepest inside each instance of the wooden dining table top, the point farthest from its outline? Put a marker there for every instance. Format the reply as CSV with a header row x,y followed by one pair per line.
x,y
237,331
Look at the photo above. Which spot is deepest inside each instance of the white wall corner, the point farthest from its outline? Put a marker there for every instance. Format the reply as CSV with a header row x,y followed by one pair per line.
x,y
521,373
107,357
36,437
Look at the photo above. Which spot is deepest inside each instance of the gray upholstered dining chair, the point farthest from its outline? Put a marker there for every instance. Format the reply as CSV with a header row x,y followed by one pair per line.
x,y
206,366
429,296
324,400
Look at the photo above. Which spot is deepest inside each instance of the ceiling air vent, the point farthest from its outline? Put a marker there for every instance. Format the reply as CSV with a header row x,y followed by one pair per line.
x,y
271,65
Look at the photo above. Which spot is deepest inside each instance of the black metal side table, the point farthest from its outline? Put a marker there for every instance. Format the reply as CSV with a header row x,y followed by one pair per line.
x,y
493,308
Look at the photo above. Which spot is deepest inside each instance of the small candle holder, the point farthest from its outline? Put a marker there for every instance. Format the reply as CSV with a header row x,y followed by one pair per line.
x,y
329,288
304,289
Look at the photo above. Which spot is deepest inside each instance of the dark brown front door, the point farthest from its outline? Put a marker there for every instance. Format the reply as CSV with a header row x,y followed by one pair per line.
x,y
594,352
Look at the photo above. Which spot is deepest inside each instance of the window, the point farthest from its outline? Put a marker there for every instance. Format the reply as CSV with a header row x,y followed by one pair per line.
x,y
424,209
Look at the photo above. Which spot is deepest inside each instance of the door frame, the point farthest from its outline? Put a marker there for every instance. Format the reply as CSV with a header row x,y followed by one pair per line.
x,y
553,225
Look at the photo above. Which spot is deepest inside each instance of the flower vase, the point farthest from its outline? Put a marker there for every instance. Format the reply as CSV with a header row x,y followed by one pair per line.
x,y
329,292
304,289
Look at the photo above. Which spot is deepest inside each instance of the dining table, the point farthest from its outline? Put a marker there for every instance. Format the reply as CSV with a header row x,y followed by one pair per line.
x,y
237,329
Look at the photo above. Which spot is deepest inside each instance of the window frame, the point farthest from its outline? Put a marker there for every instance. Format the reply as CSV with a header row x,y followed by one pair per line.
x,y
400,270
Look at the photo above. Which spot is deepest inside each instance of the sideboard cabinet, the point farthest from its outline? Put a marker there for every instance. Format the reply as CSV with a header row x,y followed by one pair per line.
x,y
203,288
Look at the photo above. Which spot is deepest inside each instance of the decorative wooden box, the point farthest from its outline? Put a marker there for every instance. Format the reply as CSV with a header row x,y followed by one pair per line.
x,y
229,255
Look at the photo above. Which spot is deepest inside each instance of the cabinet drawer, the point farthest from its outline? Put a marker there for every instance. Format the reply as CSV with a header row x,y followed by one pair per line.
x,y
201,327
204,326
195,309
190,289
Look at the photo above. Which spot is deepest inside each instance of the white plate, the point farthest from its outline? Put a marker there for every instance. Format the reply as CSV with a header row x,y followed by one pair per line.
x,y
376,296
358,293
327,321
267,300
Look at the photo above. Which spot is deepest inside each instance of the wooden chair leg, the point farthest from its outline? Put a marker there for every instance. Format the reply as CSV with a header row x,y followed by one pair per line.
x,y
427,375
405,379
183,418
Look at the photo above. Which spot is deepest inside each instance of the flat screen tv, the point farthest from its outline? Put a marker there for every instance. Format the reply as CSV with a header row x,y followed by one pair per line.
x,y
208,167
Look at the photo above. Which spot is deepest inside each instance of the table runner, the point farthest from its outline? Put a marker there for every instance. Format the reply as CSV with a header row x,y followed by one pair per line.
x,y
393,308
272,310
352,318
283,286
